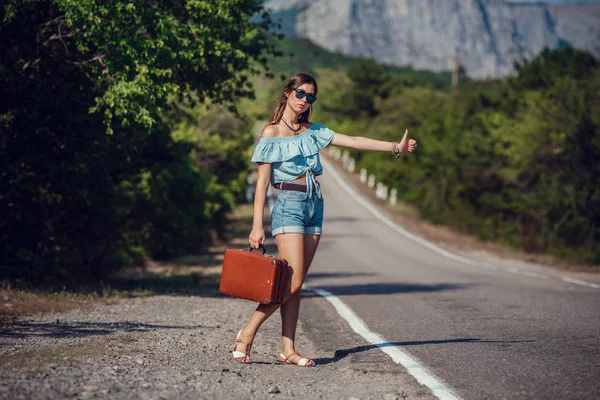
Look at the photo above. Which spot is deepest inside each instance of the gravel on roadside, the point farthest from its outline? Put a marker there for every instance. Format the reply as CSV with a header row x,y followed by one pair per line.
x,y
178,345
174,347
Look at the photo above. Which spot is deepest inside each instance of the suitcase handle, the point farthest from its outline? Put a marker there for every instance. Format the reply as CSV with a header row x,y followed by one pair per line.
x,y
259,246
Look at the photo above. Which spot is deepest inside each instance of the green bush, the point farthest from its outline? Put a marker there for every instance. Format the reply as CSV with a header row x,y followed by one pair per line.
x,y
513,161
91,174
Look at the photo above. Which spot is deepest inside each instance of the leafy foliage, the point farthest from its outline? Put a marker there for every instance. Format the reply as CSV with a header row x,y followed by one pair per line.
x,y
542,71
76,201
514,161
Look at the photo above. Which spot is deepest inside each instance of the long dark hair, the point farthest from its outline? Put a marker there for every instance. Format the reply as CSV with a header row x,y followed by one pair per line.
x,y
293,83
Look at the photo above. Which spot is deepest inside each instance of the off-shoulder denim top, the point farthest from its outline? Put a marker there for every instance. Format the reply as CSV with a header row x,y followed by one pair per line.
x,y
293,156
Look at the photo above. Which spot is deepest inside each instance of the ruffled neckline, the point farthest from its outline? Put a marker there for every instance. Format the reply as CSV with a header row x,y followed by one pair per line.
x,y
278,149
288,138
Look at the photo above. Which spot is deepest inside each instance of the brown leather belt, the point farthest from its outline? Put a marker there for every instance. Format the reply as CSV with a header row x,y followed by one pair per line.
x,y
290,186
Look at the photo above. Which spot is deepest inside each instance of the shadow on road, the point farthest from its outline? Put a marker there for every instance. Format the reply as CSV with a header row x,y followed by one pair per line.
x,y
339,354
385,288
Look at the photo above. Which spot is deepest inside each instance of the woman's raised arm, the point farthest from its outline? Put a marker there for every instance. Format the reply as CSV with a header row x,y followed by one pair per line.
x,y
367,144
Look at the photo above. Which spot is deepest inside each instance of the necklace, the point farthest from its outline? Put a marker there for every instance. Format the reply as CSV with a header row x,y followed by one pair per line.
x,y
292,129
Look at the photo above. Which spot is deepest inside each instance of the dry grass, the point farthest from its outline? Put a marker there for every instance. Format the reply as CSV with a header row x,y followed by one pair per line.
x,y
18,303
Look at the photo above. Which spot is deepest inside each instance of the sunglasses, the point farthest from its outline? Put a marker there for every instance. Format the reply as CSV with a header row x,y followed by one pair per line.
x,y
309,97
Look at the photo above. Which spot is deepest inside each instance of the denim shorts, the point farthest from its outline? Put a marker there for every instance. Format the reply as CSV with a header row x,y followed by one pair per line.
x,y
297,212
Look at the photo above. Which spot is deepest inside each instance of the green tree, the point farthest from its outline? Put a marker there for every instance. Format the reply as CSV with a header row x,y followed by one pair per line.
x,y
550,65
367,80
73,71
512,161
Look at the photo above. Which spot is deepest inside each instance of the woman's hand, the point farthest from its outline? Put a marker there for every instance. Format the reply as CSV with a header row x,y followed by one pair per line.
x,y
256,238
406,144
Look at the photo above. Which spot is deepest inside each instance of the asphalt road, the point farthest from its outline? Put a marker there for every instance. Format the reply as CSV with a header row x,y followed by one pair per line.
x,y
488,334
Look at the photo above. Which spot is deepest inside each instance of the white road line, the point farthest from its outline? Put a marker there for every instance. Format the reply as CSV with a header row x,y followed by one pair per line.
x,y
580,282
367,204
423,376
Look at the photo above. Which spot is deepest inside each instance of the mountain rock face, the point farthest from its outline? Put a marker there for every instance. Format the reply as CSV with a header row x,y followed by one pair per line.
x,y
485,36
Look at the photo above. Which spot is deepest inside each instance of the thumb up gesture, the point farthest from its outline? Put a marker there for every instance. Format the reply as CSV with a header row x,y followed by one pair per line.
x,y
406,144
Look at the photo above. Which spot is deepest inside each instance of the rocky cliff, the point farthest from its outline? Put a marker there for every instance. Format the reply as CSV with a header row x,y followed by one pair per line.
x,y
486,36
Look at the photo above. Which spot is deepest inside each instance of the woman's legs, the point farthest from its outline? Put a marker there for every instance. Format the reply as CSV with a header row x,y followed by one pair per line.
x,y
291,247
291,308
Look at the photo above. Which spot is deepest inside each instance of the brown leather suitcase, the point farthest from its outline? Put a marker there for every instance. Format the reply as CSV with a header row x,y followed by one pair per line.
x,y
254,276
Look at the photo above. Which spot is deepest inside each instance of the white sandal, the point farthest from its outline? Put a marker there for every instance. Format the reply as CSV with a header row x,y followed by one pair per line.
x,y
238,355
302,362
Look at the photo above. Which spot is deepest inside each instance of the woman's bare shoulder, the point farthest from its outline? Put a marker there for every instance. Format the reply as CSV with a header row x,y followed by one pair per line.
x,y
270,131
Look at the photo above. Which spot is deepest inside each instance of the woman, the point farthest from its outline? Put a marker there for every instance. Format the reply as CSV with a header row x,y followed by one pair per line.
x,y
288,158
